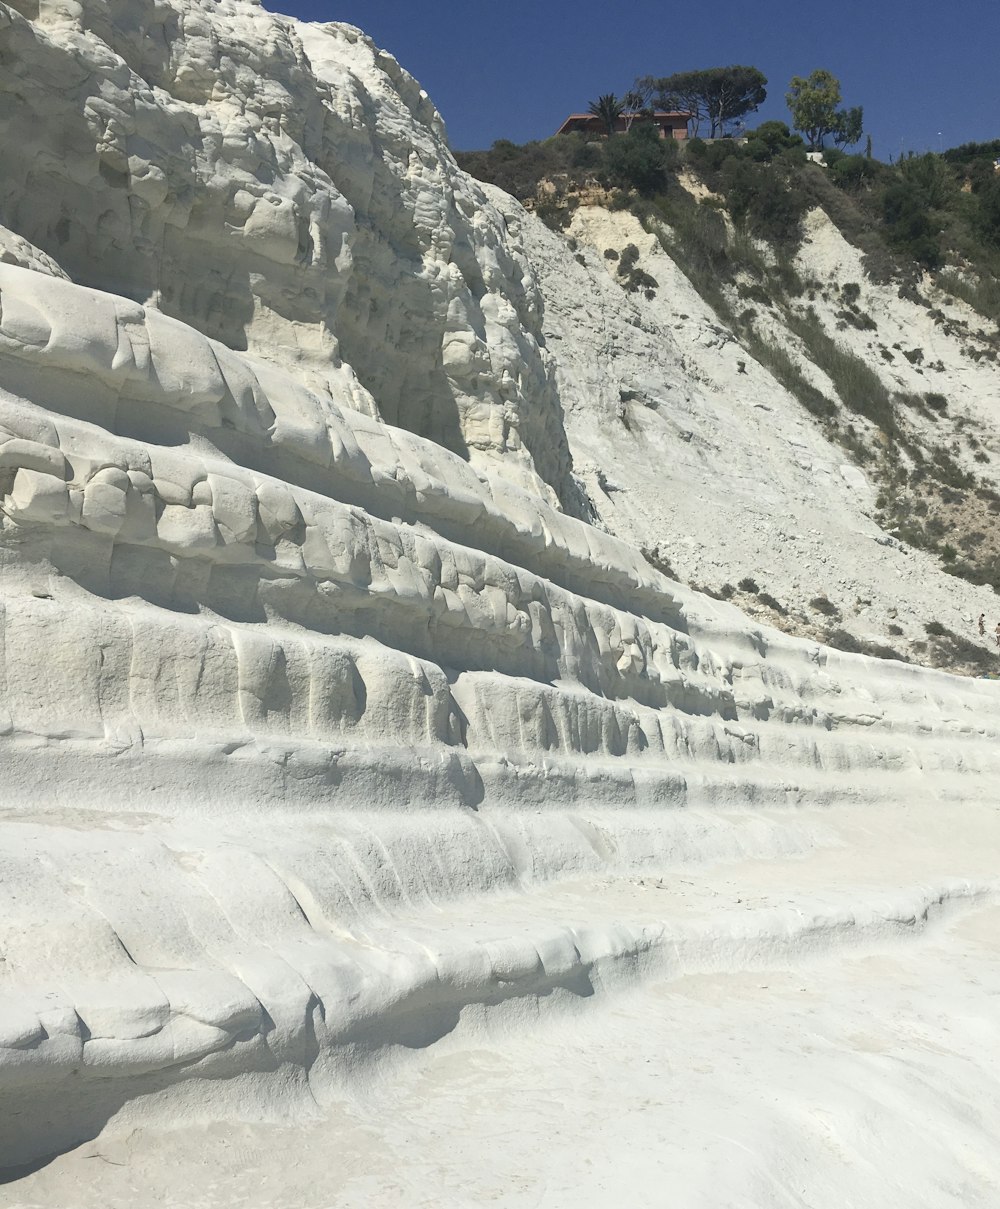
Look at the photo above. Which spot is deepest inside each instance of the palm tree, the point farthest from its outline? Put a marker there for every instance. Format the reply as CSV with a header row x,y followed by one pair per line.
x,y
608,108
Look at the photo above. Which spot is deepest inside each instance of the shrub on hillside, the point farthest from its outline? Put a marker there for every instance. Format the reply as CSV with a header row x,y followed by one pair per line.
x,y
518,168
776,359
822,605
951,649
845,641
910,225
713,155
699,243
850,172
765,198
767,599
987,218
860,388
769,140
639,160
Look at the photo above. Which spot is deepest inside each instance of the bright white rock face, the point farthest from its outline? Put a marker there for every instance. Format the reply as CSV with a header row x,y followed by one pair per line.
x,y
343,769
278,187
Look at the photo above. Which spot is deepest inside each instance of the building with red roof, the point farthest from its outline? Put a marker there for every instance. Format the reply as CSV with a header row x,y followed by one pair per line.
x,y
672,125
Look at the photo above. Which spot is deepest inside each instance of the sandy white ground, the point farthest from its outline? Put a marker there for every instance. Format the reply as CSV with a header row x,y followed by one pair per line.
x,y
858,1067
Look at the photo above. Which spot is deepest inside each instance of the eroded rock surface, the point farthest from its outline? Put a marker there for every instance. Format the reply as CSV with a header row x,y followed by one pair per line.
x,y
324,731
226,597
287,190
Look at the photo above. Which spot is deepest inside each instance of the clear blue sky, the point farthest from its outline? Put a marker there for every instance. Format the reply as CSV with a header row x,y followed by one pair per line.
x,y
515,70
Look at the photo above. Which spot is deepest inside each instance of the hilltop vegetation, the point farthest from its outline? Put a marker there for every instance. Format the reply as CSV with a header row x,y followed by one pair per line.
x,y
934,212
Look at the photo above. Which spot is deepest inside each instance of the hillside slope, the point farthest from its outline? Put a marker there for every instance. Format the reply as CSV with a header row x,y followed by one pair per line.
x,y
694,452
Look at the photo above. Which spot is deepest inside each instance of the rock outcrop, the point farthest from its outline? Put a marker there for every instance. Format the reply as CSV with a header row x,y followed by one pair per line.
x,y
278,186
311,695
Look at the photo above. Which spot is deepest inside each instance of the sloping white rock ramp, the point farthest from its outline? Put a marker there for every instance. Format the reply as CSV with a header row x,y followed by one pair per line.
x,y
305,722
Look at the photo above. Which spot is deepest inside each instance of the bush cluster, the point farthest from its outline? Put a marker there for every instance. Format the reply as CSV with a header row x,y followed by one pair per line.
x,y
640,160
518,169
922,212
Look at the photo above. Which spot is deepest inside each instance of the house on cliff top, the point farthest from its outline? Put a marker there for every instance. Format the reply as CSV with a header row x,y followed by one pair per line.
x,y
672,125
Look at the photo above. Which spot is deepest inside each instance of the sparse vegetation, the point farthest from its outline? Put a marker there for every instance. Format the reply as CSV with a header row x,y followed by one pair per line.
x,y
569,161
929,211
952,650
736,244
843,640
631,276
857,384
767,599
824,606
657,559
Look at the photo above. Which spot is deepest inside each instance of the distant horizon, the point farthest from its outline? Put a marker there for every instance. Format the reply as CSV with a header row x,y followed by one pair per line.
x,y
551,63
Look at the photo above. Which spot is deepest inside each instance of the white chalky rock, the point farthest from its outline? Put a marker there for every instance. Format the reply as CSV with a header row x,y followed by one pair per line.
x,y
37,497
104,501
16,250
187,528
32,455
323,214
277,509
326,732
233,508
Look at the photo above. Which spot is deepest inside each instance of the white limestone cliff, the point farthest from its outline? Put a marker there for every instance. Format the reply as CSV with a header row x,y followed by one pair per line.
x,y
329,740
277,185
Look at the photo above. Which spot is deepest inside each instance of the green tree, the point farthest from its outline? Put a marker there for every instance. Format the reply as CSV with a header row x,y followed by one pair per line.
x,y
850,127
813,103
733,92
769,140
609,109
716,95
681,91
640,159
635,103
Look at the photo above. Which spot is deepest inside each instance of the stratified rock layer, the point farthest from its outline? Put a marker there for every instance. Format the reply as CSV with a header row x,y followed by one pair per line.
x,y
287,190
226,598
305,717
